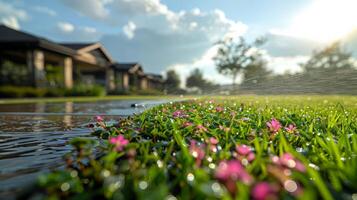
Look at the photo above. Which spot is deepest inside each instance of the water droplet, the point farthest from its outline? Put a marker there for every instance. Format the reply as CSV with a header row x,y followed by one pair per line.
x,y
354,196
216,187
314,166
244,162
143,185
65,186
74,173
105,173
159,163
291,163
190,177
290,186
171,197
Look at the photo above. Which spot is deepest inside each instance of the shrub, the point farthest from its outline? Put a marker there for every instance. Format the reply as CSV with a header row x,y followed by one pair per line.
x,y
19,92
86,90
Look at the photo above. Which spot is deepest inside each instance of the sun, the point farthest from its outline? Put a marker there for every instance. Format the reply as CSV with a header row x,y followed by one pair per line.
x,y
325,20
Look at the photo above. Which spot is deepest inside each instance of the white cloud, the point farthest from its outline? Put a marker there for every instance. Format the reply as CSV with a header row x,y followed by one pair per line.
x,y
88,29
65,27
11,22
129,30
95,9
288,64
45,10
11,16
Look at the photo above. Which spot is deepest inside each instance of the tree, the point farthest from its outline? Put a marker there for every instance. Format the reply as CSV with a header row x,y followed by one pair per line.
x,y
195,79
331,70
172,81
255,76
235,55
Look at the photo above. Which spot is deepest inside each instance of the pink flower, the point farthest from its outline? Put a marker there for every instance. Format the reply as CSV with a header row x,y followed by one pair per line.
x,y
291,128
245,152
98,118
274,125
232,171
263,191
288,161
197,152
219,109
228,172
225,129
233,113
120,142
179,114
212,142
243,149
187,124
201,128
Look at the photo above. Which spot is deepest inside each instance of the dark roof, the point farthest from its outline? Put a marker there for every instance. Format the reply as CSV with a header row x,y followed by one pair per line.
x,y
18,39
77,46
124,66
157,76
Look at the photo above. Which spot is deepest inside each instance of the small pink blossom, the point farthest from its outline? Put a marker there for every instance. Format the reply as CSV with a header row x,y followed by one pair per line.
x,y
120,142
229,172
232,170
245,152
201,128
274,125
263,191
98,118
225,129
219,109
288,161
291,128
179,114
212,142
233,113
197,152
187,124
243,149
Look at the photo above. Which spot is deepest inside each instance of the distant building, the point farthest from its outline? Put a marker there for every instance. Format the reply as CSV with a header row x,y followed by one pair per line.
x,y
29,60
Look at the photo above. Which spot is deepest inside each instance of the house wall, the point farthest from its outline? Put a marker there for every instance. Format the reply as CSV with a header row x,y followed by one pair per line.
x,y
34,62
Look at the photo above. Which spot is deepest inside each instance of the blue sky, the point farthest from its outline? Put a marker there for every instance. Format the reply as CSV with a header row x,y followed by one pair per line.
x,y
179,34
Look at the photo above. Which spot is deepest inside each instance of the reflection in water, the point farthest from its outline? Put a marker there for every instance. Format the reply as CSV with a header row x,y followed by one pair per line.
x,y
67,119
33,137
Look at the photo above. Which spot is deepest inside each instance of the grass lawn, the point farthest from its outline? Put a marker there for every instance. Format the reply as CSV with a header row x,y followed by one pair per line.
x,y
248,147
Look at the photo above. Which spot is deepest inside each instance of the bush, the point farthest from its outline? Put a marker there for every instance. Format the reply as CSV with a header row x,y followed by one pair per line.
x,y
79,90
86,90
20,92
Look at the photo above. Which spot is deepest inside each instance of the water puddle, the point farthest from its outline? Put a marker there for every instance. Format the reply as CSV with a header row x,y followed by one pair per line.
x,y
33,137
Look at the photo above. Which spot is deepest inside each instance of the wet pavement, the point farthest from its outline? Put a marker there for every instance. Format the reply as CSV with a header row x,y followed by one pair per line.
x,y
33,137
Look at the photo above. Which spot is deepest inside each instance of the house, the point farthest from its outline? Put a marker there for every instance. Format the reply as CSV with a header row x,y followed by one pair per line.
x,y
129,76
29,56
155,81
91,64
44,63
29,60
